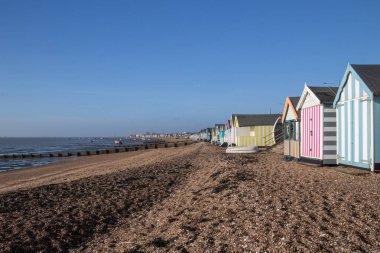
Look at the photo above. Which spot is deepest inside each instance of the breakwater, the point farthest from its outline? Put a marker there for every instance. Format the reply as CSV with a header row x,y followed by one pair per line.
x,y
108,150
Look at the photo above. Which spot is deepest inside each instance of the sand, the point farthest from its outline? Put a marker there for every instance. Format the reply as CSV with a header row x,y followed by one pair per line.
x,y
80,167
192,199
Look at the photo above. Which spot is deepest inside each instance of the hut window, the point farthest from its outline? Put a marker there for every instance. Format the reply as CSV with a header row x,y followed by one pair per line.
x,y
293,131
287,130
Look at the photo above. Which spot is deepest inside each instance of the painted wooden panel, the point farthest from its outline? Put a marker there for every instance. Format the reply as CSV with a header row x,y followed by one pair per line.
x,y
241,136
376,119
221,135
311,132
354,124
227,135
287,147
291,139
310,101
292,148
232,136
263,135
255,136
289,115
329,135
295,149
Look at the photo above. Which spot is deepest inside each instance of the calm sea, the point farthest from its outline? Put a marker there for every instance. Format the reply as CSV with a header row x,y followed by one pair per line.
x,y
31,145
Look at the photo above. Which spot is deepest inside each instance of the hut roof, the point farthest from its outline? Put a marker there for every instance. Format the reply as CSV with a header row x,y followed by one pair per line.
x,y
324,94
233,116
291,104
294,100
370,74
257,119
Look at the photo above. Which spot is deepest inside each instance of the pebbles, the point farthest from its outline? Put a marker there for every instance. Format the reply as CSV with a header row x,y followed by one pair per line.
x,y
204,201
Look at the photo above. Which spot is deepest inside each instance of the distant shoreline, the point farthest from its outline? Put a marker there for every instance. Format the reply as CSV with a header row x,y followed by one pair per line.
x,y
80,167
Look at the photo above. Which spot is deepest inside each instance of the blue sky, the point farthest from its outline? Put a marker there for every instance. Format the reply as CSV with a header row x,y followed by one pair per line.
x,y
110,68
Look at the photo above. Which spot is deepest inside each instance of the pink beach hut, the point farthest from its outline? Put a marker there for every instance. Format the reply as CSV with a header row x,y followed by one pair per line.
x,y
318,125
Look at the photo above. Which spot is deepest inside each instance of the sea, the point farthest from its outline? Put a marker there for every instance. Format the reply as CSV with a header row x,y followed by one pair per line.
x,y
42,145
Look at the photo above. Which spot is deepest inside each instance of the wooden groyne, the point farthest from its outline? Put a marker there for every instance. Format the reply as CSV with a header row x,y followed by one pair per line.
x,y
116,149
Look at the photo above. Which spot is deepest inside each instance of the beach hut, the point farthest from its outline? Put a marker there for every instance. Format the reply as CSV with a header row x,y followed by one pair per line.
x,y
318,125
219,133
230,131
205,134
202,134
291,123
214,136
256,129
232,139
227,131
358,117
209,134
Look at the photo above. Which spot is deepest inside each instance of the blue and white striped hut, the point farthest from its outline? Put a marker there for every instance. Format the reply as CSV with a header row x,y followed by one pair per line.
x,y
358,117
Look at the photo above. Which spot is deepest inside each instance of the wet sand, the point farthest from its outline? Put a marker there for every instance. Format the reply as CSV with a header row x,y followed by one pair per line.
x,y
192,199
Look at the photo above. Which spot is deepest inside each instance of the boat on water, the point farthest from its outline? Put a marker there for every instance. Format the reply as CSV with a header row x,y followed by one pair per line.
x,y
118,142
242,150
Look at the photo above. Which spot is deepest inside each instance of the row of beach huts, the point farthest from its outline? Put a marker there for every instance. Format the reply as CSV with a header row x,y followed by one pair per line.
x,y
324,125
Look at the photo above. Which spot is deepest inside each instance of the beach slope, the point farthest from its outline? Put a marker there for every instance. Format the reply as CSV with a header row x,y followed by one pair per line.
x,y
192,199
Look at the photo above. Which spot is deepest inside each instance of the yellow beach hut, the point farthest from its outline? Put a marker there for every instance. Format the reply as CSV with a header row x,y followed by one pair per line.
x,y
257,129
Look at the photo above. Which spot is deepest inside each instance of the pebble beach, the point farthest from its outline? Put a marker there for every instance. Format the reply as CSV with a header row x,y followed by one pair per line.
x,y
189,199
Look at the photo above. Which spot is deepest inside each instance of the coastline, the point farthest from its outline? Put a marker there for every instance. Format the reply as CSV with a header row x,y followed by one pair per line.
x,y
74,168
191,199
16,161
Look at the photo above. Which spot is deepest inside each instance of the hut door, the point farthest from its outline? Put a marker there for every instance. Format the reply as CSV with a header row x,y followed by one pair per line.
x,y
363,148
311,136
291,138
311,132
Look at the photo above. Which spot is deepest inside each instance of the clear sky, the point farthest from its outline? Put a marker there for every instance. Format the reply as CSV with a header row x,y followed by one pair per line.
x,y
109,68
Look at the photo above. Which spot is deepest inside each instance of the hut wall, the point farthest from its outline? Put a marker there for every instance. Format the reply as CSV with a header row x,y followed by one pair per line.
x,y
255,136
220,136
289,115
376,134
295,149
262,135
227,135
287,148
243,136
295,143
291,139
354,124
233,135
329,135
311,132
291,148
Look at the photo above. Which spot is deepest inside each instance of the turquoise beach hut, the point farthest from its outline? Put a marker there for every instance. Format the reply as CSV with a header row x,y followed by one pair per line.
x,y
358,117
220,133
